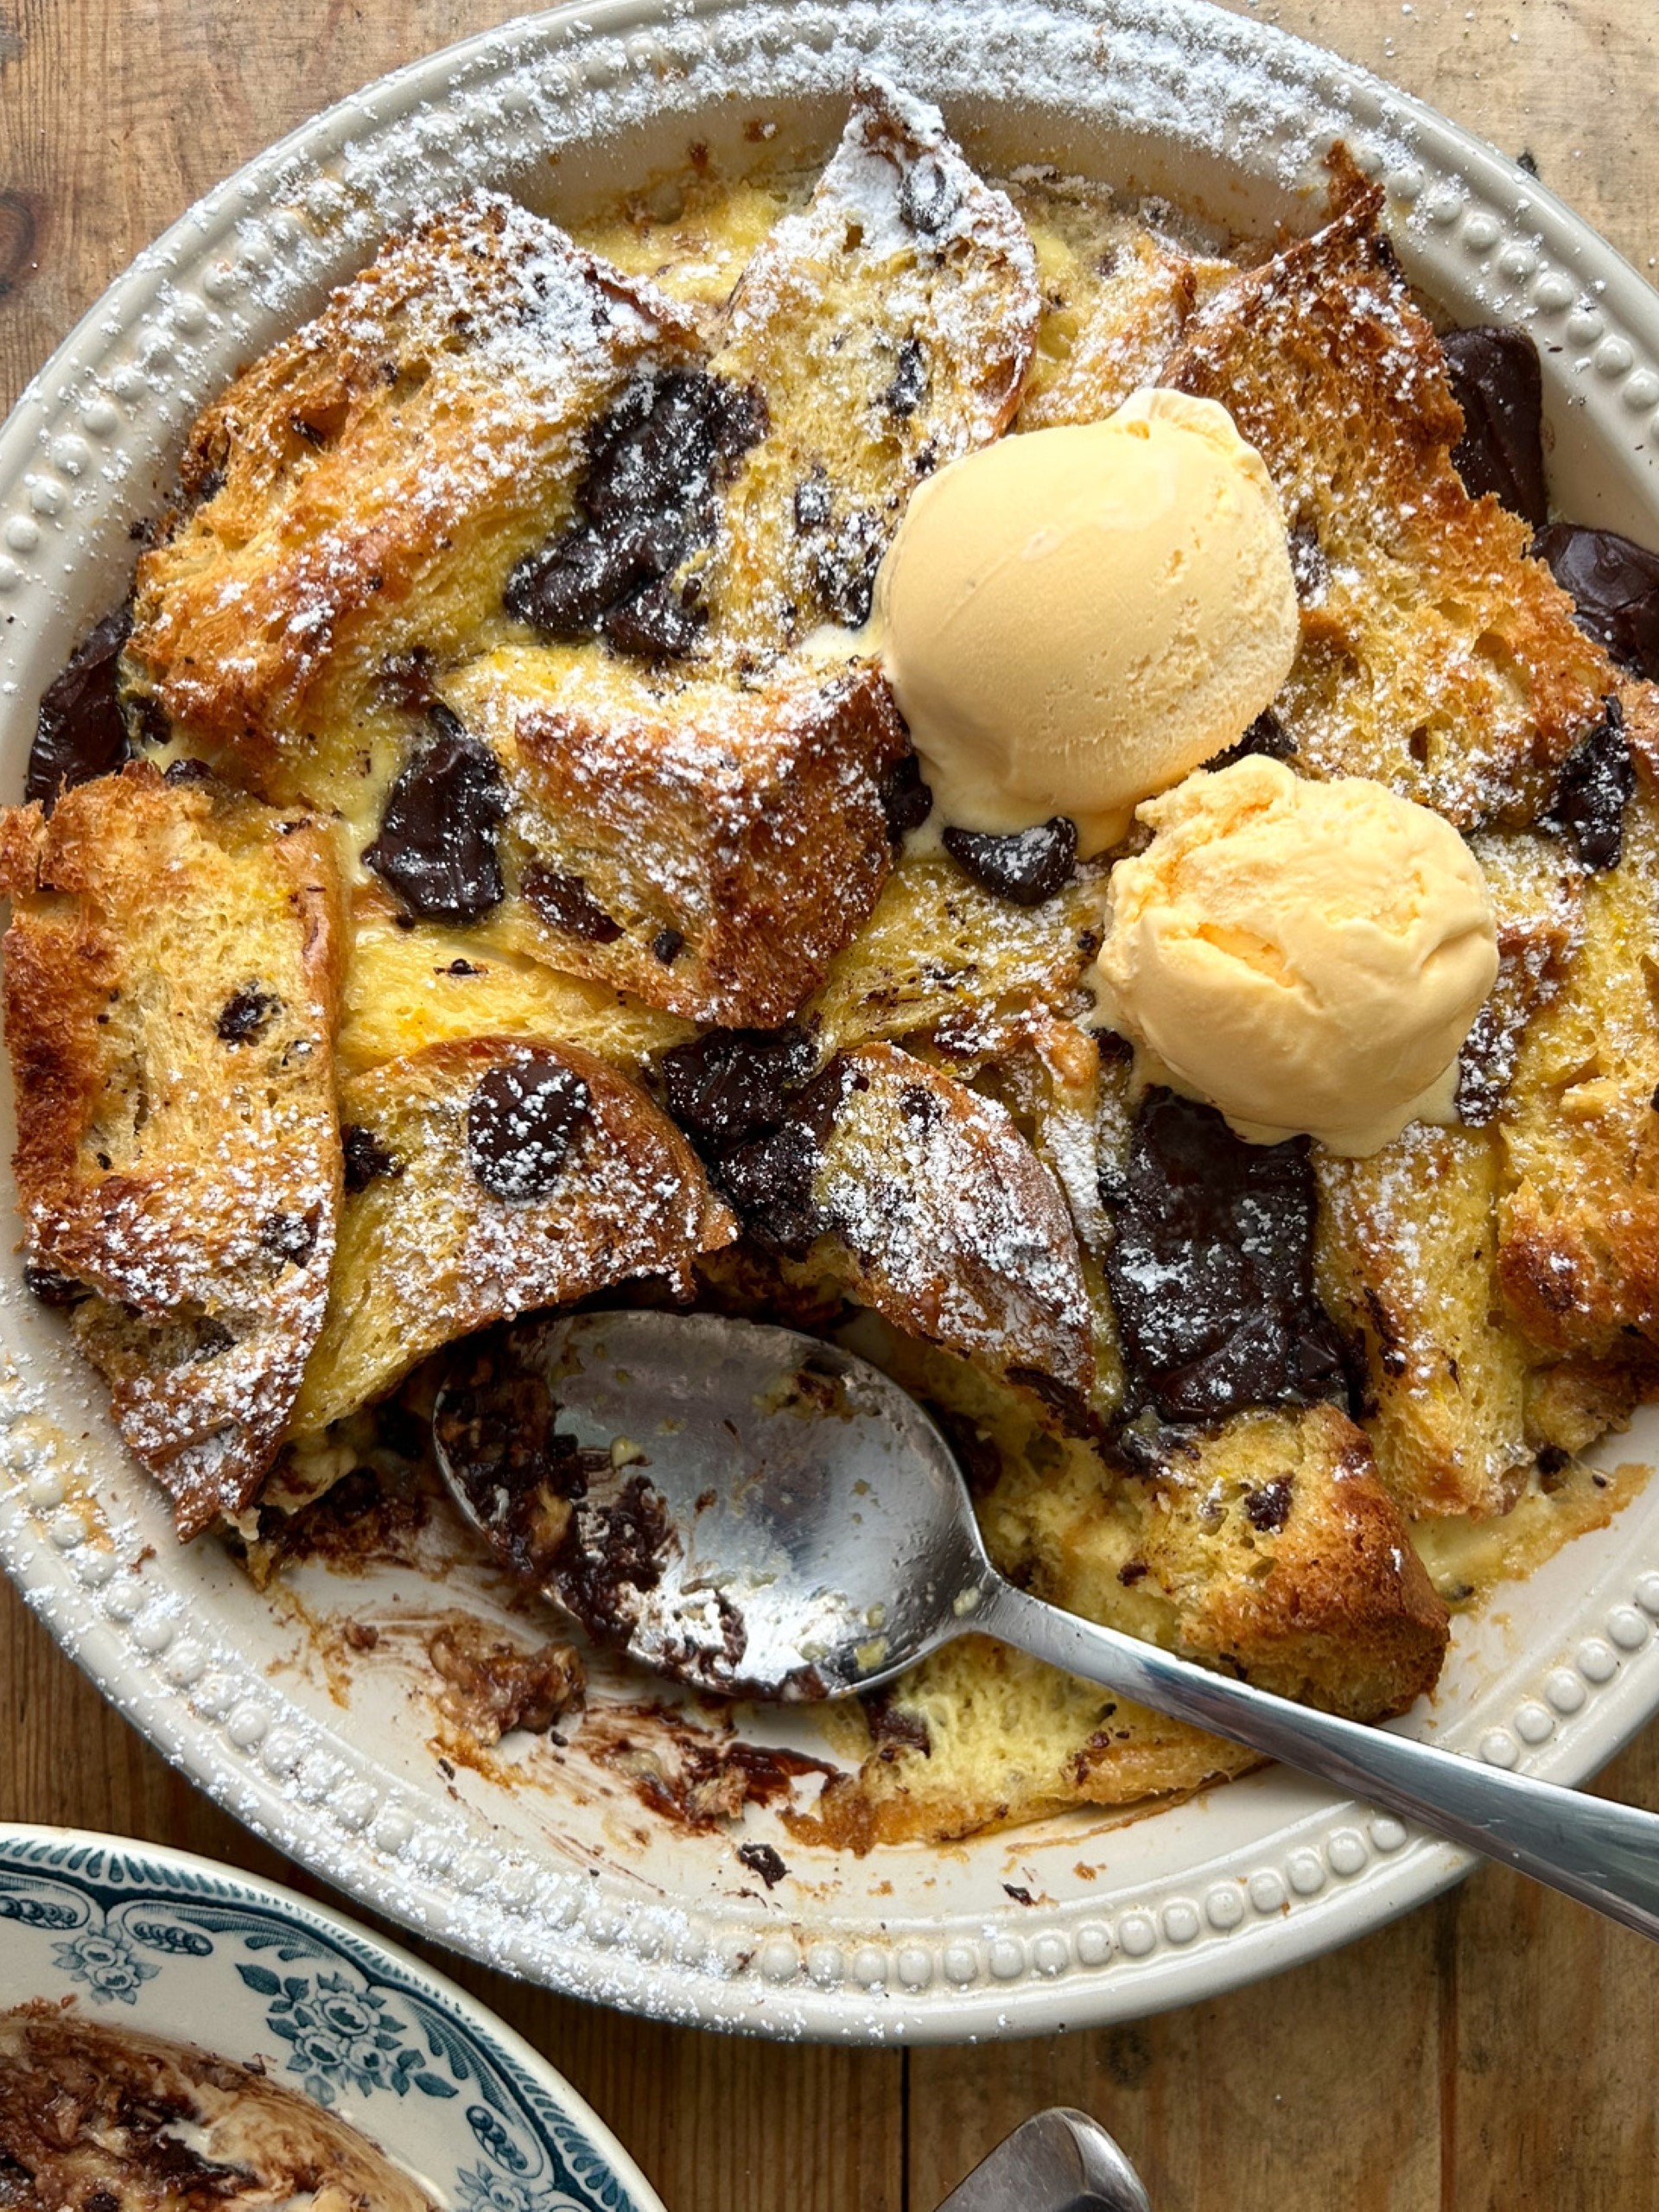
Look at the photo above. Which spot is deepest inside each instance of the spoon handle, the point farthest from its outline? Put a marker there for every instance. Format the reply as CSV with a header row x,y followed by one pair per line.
x,y
1604,1855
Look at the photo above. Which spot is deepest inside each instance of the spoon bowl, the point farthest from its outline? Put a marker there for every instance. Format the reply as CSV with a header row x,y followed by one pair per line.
x,y
756,1512
751,1511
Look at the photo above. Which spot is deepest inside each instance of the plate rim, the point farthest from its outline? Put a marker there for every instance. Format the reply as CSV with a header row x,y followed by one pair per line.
x,y
1162,1963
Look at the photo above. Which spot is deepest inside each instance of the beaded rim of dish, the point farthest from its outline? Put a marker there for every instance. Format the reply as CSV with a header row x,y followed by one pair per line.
x,y
247,263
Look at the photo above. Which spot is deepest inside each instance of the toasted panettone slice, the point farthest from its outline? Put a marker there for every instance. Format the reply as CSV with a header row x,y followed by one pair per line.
x,y
944,1221
1578,1217
1286,1562
1117,297
943,956
707,848
1407,1238
1436,656
1406,1254
1072,1108
362,493
171,977
488,1177
1268,1548
1536,887
887,326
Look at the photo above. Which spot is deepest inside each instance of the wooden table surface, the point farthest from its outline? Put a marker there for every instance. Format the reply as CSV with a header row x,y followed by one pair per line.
x,y
1497,2048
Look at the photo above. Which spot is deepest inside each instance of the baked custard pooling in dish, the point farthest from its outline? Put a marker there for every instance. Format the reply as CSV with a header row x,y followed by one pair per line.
x,y
487,867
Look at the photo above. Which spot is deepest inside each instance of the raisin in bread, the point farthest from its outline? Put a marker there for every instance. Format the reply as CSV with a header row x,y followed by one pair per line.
x,y
171,979
487,1177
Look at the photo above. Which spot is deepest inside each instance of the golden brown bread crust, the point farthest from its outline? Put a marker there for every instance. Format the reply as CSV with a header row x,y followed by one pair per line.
x,y
725,843
950,1226
171,984
1435,655
365,488
427,1253
888,325
1342,1613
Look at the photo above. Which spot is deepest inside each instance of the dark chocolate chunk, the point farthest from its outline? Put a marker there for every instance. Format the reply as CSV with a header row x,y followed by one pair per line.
x,y
187,771
366,1158
1309,570
769,1182
564,902
565,590
844,563
52,1288
520,1126
406,681
1269,1507
436,847
1497,382
621,1548
1486,1064
1211,1268
495,1423
927,198
657,464
667,946
289,1237
910,379
1267,738
656,624
905,799
731,1084
80,732
148,723
1592,790
975,1449
670,441
1614,587
247,1014
1026,867
894,1730
760,1858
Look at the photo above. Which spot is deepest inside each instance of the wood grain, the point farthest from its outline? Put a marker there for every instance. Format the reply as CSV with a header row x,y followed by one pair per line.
x,y
1497,2049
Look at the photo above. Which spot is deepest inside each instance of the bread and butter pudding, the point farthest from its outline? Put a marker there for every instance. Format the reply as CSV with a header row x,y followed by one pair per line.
x,y
94,2116
633,769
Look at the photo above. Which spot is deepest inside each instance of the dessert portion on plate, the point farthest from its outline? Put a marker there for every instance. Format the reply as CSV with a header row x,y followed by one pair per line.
x,y
98,2116
963,764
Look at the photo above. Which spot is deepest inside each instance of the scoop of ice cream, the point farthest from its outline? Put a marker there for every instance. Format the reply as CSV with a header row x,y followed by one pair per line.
x,y
1073,618
1306,956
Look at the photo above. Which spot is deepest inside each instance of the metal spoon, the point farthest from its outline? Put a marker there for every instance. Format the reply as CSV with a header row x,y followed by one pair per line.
x,y
754,1511
1059,2161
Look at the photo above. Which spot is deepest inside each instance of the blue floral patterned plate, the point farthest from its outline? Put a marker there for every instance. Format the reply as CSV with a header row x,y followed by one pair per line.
x,y
162,1943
